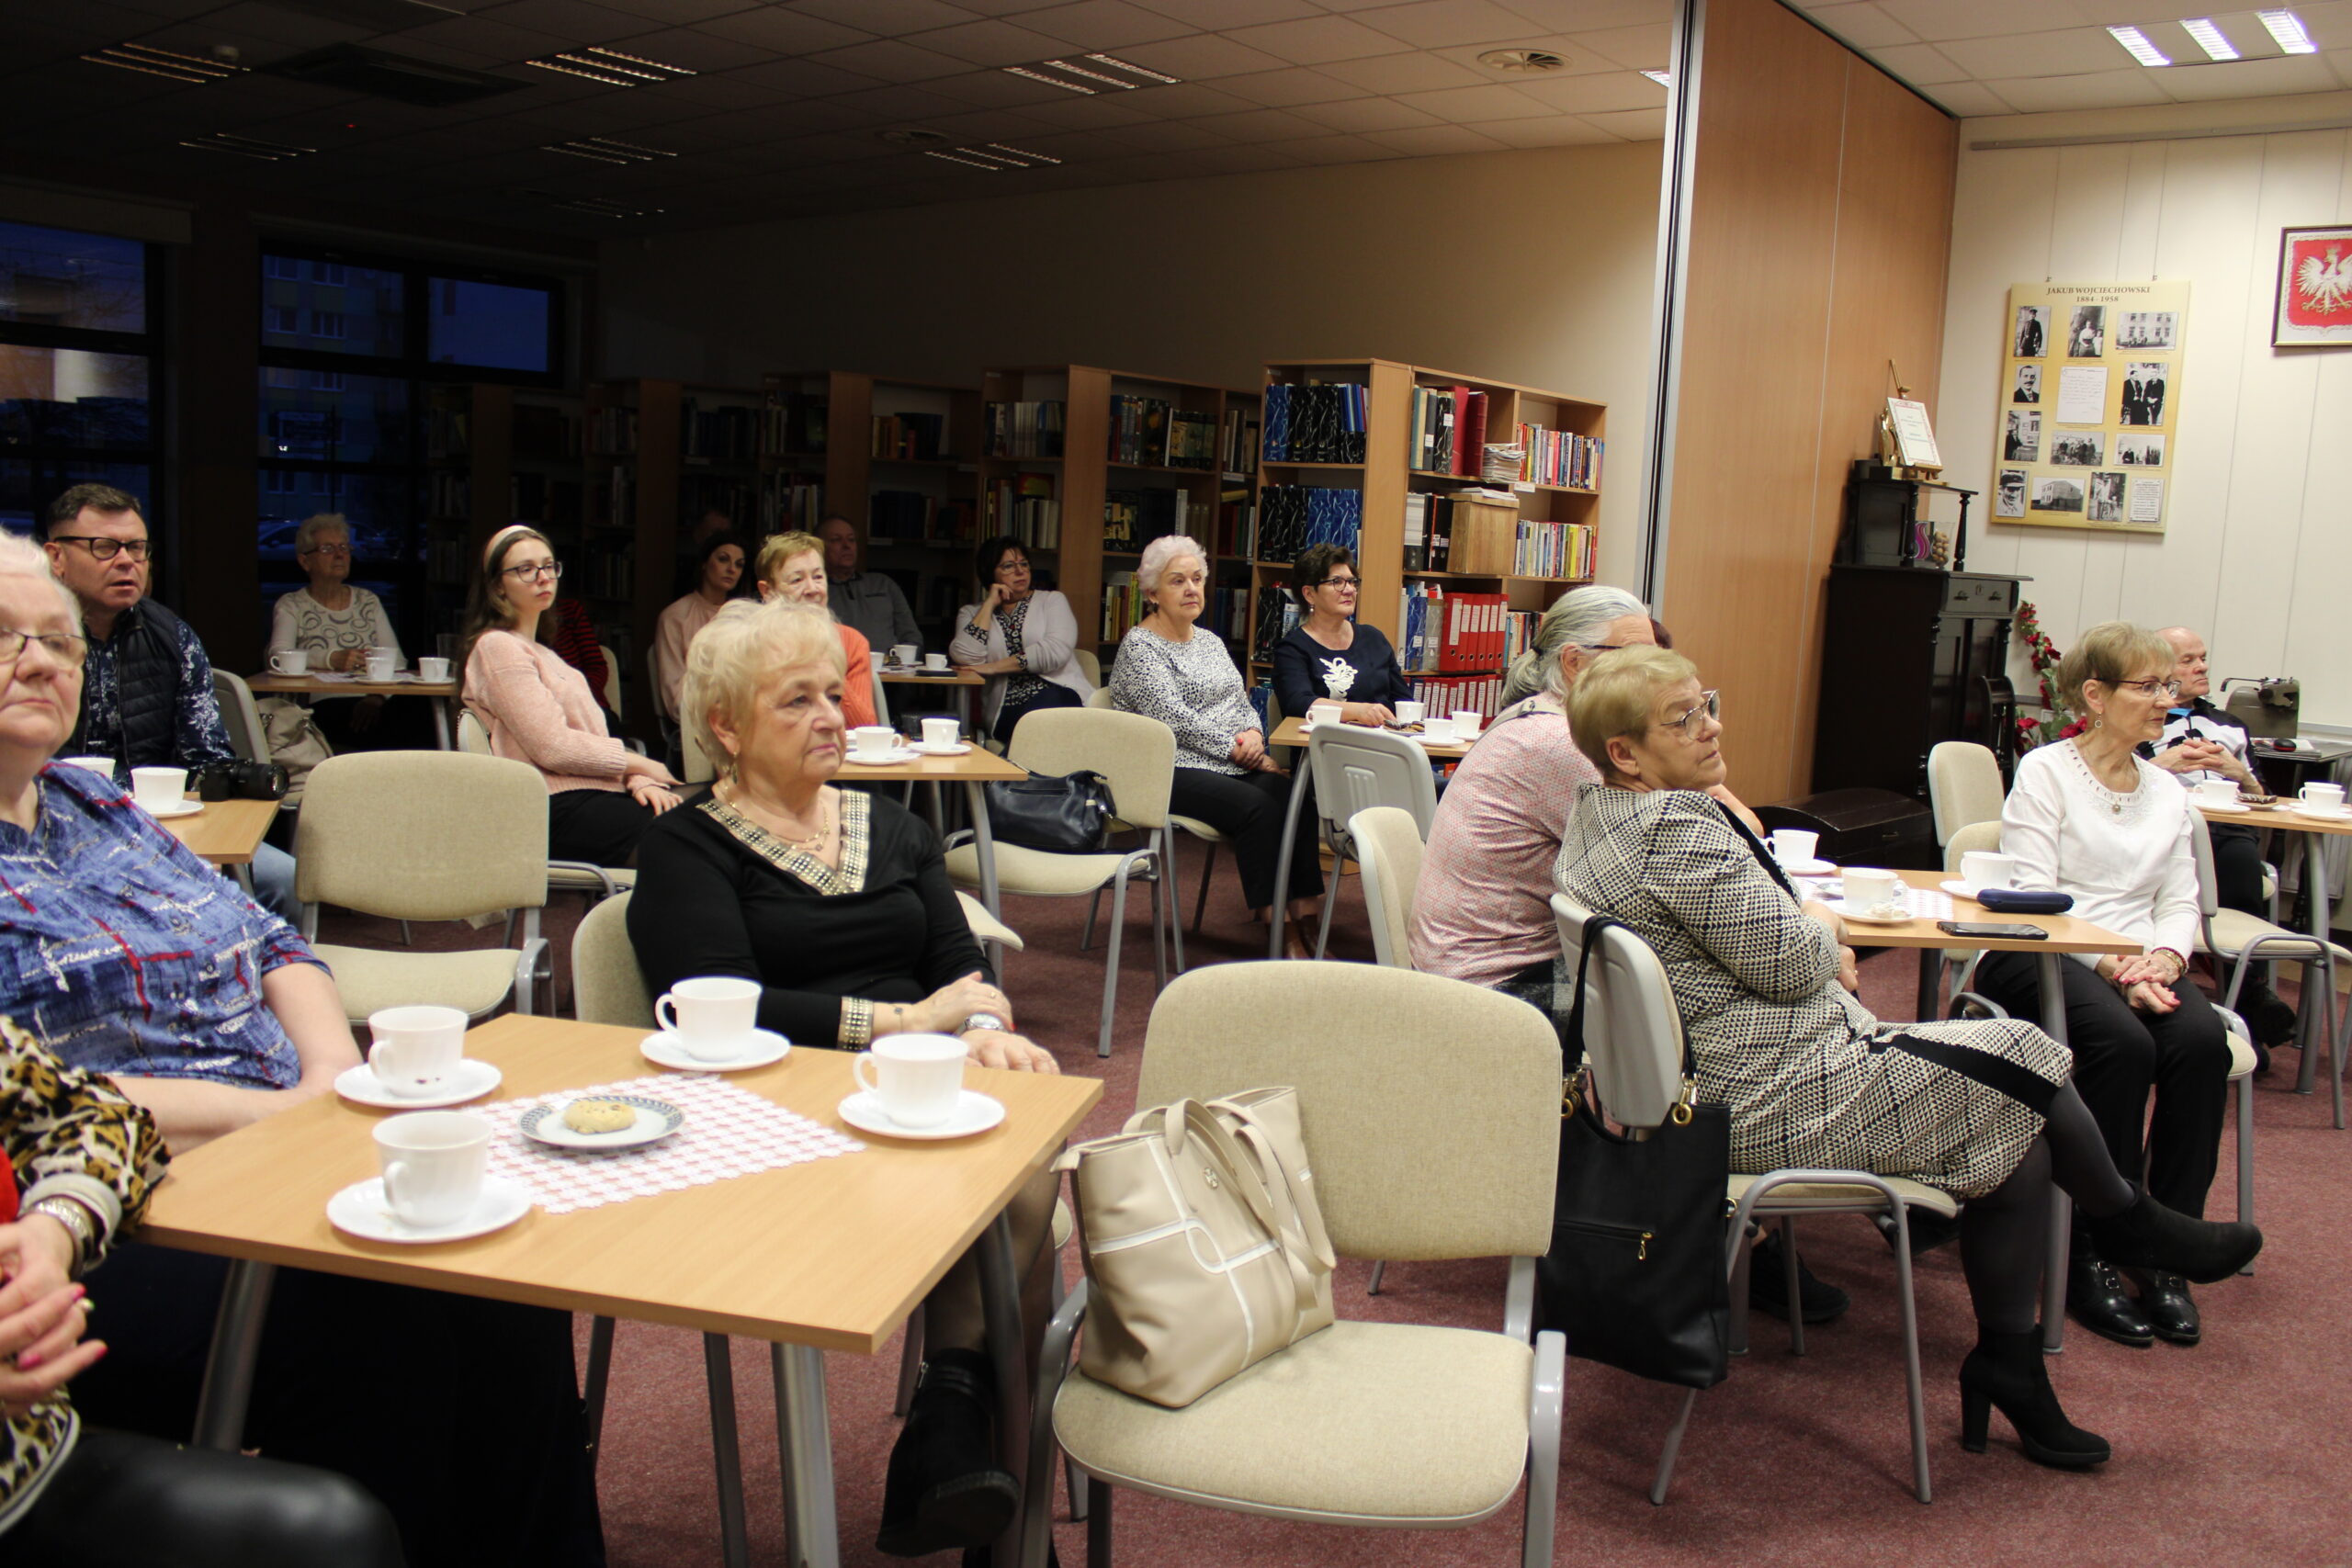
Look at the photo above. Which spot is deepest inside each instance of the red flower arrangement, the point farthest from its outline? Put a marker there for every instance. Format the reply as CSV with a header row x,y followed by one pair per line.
x,y
2052,724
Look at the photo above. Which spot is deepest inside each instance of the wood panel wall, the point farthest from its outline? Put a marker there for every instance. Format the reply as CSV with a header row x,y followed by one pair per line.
x,y
1819,233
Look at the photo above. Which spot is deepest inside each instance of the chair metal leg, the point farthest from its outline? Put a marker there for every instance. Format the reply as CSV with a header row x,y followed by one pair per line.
x,y
1057,1292
1379,1272
1098,1524
910,1364
2053,1273
1743,1264
718,1373
1093,908
1545,1411
406,939
1111,963
1330,895
1169,900
600,1375
1673,1447
1161,918
2245,1155
1790,1293
1911,1382
1201,900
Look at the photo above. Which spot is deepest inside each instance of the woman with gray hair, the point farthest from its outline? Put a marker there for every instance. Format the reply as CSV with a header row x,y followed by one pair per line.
x,y
333,622
1172,670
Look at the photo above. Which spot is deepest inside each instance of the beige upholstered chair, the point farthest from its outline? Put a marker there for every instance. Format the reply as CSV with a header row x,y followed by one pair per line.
x,y
1977,837
612,692
1963,785
1089,666
1100,698
1388,1425
425,836
563,876
1388,846
1355,768
1137,757
1633,1043
240,716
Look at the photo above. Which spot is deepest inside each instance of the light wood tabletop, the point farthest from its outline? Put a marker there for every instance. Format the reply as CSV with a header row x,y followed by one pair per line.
x,y
978,766
2067,934
831,1254
318,686
2289,817
225,833
1291,732
920,677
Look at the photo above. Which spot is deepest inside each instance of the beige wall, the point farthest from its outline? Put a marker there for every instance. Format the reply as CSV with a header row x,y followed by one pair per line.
x,y
1533,266
2257,550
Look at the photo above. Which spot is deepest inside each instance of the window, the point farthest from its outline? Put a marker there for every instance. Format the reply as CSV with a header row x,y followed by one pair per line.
x,y
326,380
327,271
327,324
281,266
492,325
283,318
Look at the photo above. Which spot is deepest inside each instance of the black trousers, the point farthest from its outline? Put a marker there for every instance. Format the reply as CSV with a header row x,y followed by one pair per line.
x,y
1051,696
460,1416
2237,868
2124,1059
1249,810
123,1501
599,826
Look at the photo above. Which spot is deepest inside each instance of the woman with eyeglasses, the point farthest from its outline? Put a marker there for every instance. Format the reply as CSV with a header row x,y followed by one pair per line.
x,y
1024,640
1327,655
2091,818
1763,981
539,710
327,618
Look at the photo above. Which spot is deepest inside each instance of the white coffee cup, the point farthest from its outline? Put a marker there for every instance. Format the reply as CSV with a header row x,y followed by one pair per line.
x,y
434,1162
1870,890
934,661
416,1049
291,661
379,664
1438,729
872,740
712,1017
1987,868
162,789
916,1076
942,732
1408,713
95,764
2327,797
904,653
432,668
1794,846
1466,723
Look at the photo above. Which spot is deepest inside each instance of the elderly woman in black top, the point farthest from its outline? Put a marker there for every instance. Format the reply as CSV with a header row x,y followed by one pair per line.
x,y
837,902
1327,655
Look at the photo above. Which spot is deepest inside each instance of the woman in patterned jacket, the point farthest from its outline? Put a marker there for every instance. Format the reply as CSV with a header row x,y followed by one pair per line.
x,y
1984,1110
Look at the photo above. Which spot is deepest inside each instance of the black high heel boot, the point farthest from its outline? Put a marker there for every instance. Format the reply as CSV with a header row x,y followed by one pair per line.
x,y
943,1488
2005,1372
2149,1236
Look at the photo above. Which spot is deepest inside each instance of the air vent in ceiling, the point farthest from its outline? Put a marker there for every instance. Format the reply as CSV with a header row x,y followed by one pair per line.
x,y
914,135
247,147
374,16
1523,62
353,68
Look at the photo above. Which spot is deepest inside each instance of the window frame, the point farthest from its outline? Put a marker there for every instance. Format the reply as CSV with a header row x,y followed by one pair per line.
x,y
418,274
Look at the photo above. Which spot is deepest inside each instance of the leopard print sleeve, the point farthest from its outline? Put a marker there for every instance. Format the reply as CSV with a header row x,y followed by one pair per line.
x,y
72,1133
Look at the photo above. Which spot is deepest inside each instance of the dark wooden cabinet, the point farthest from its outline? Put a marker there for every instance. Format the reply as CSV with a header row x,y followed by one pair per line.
x,y
1910,656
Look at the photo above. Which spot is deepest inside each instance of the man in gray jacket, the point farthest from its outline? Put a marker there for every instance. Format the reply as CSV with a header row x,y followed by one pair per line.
x,y
865,601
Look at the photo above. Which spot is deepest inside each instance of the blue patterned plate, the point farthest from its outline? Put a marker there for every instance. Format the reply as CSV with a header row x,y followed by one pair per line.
x,y
655,1119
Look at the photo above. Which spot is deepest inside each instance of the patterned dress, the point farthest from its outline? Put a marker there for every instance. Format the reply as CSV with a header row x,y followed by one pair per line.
x,y
1021,686
1810,1076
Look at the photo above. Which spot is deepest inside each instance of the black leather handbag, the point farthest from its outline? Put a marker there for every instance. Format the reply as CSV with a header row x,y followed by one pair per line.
x,y
1636,1277
1068,815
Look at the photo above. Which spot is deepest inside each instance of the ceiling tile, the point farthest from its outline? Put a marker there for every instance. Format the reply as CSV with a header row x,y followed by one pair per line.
x,y
1104,109
2247,79
886,18
1599,93
1584,16
989,125
678,12
1317,40
697,51
891,61
786,32
1864,26
1409,73
991,43
1935,21
483,36
1258,125
2099,90
574,21
1633,125
994,89
1552,130
1366,114
1176,136
2073,52
1430,141
1283,88
1202,57
804,79
1643,49
1969,99
296,28
721,92
2341,59
1215,14
897,104
1241,159
1462,105
1920,65
1337,150
1576,59
1104,25
1002,7
1438,24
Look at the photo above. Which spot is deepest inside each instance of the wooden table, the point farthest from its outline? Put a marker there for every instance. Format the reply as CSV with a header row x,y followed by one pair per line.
x,y
2289,819
1291,732
964,683
975,768
443,692
828,1255
225,833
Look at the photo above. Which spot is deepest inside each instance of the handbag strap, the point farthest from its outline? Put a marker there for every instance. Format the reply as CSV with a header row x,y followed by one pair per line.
x,y
1593,928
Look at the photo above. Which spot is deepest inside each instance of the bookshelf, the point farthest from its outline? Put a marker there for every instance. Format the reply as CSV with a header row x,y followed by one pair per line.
x,y
1533,541
494,454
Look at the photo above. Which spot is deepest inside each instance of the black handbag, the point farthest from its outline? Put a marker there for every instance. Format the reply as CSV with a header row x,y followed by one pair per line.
x,y
1636,1277
1068,815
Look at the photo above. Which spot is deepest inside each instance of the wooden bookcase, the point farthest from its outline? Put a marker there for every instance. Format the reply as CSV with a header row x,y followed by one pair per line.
x,y
495,454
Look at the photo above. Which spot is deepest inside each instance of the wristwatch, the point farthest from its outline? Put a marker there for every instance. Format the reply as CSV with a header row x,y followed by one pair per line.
x,y
982,1021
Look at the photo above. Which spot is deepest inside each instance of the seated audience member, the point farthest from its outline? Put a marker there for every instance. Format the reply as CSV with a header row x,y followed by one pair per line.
x,y
792,568
866,601
136,962
147,690
837,903
1169,668
573,634
1024,640
2091,818
335,623
1327,655
538,709
719,560
1983,1111
77,1162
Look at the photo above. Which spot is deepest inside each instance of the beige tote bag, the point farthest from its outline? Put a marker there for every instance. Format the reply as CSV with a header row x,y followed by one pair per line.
x,y
1204,1244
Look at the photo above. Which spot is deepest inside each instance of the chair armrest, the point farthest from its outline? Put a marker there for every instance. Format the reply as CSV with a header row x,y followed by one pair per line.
x,y
1053,1368
1519,1300
1974,1005
961,835
536,964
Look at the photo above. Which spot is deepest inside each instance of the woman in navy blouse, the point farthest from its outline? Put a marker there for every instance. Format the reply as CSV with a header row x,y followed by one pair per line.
x,y
1327,655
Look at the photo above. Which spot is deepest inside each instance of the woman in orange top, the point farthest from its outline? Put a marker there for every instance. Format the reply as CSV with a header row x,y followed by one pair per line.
x,y
792,565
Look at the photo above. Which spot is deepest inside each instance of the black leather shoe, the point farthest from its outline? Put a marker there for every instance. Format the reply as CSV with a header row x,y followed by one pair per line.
x,y
2149,1236
2097,1300
1768,1286
2272,1021
943,1488
1927,1229
2165,1302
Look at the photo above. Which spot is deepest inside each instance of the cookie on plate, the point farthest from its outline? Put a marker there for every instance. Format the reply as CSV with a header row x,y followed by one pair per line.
x,y
599,1116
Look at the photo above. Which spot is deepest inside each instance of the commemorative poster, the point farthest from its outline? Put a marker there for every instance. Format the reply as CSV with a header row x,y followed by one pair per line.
x,y
2089,400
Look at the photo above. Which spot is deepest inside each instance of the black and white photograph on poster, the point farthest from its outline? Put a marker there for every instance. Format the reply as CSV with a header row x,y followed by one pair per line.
x,y
2106,499
2034,326
2144,392
2008,496
2057,495
2149,329
2087,335
2140,451
2028,385
2022,444
2078,448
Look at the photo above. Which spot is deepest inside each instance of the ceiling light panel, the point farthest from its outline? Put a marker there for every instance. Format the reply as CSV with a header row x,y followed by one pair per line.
x,y
2210,38
1092,74
1660,77
193,69
2136,43
247,147
611,66
603,150
2286,29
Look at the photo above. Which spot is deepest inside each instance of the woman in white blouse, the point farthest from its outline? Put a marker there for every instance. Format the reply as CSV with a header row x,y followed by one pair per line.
x,y
1023,640
2090,818
333,622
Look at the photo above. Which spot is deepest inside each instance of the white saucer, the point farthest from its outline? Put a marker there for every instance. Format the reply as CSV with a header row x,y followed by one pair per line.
x,y
975,1112
1958,888
1815,867
2232,807
664,1051
474,1078
885,759
1884,915
926,749
184,808
359,1210
2324,813
655,1119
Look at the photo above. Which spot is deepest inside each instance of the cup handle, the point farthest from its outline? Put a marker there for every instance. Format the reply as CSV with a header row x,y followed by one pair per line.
x,y
394,1173
857,1065
374,1047
668,1023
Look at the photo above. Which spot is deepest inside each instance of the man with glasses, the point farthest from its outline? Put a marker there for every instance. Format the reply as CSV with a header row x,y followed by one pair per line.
x,y
147,687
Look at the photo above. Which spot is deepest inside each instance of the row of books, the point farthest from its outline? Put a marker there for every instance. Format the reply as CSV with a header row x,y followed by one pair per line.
x,y
1152,433
736,500
1556,550
1239,443
1560,458
794,422
1448,632
600,574
1237,525
1123,606
1023,506
542,498
913,515
545,434
1291,517
1452,694
1025,430
727,434
1449,430
613,431
1430,520
787,503
1133,518
1518,633
914,437
1277,612
1315,423
449,433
